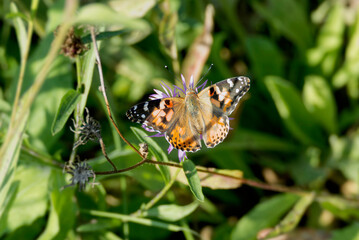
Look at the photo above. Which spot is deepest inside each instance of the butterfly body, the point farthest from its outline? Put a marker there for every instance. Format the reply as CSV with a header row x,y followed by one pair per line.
x,y
187,121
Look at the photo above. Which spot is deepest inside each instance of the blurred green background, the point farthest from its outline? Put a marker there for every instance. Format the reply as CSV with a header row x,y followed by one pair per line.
x,y
296,127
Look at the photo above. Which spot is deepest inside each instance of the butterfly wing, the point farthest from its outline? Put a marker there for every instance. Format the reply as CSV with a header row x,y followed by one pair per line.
x,y
167,116
182,135
218,101
156,115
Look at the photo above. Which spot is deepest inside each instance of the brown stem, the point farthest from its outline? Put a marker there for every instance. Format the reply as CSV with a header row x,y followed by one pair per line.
x,y
261,185
93,36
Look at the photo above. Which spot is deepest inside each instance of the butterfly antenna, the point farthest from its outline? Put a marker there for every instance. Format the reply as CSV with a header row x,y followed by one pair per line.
x,y
173,75
210,67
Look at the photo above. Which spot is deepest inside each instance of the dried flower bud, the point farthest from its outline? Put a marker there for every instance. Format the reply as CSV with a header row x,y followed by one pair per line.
x,y
81,172
89,130
72,45
144,149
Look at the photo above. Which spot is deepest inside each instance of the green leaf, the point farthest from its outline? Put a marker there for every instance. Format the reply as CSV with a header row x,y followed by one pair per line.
x,y
264,56
319,101
138,220
345,155
292,111
155,150
9,155
264,215
106,16
133,8
171,212
292,219
88,63
330,40
349,72
193,179
99,225
6,206
348,233
63,209
32,198
67,105
287,17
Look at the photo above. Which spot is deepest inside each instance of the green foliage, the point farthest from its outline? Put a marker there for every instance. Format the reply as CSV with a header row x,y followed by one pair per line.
x,y
297,126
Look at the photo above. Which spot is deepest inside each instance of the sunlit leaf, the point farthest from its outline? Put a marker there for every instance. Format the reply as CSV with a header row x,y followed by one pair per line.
x,y
62,210
106,15
32,198
329,41
20,29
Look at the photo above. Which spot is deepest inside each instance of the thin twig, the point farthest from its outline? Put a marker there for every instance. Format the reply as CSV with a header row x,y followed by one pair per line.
x,y
105,154
103,90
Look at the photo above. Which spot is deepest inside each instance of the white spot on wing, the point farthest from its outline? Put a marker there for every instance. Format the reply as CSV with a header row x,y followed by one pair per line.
x,y
134,108
143,115
237,90
230,82
145,107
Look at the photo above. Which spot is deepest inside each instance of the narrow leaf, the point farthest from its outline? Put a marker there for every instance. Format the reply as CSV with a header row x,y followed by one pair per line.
x,y
172,212
67,105
20,29
264,215
292,219
193,179
138,220
99,225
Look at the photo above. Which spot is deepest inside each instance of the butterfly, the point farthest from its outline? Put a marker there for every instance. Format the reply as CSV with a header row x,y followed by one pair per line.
x,y
186,121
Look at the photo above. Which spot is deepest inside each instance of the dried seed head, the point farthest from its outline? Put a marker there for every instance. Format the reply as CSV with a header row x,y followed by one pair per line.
x,y
81,173
89,130
72,45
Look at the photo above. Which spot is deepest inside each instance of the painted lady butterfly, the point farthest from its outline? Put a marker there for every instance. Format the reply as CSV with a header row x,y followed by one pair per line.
x,y
185,121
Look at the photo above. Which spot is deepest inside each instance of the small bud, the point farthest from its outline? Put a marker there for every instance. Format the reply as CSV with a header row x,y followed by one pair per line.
x,y
144,149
